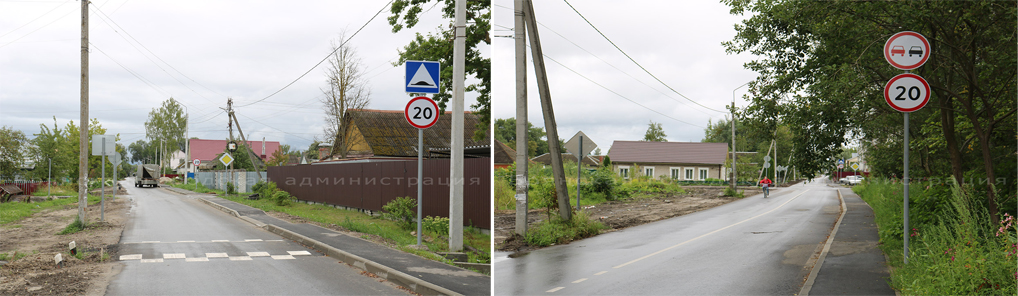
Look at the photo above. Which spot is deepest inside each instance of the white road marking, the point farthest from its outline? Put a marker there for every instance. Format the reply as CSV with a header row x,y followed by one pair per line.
x,y
220,240
151,260
709,233
202,259
185,241
600,273
149,242
274,240
130,257
174,256
240,258
258,254
282,257
216,255
298,253
253,240
555,290
579,280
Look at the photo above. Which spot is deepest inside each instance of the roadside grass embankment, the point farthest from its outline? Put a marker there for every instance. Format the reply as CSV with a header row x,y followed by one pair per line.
x,y
11,212
954,248
477,244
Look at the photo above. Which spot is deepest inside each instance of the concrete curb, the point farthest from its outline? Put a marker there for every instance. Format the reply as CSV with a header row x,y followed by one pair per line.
x,y
410,282
827,247
415,285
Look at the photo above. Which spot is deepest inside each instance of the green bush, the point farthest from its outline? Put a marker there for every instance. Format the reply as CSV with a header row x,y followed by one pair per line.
x,y
436,225
230,189
558,231
74,227
403,210
602,181
732,193
265,189
257,187
508,174
282,198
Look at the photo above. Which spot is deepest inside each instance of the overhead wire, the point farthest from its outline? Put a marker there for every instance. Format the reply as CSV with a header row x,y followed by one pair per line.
x,y
39,28
323,59
637,63
35,19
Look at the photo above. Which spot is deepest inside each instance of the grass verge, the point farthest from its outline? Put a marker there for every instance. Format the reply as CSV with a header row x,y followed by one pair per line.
x,y
15,211
559,231
954,248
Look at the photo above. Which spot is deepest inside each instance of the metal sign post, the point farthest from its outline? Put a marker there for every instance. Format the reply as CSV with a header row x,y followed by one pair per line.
x,y
912,93
102,145
422,113
579,145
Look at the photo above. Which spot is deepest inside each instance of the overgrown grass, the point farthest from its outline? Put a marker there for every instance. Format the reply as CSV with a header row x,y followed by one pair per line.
x,y
361,222
11,257
74,227
598,186
56,190
15,211
954,248
559,231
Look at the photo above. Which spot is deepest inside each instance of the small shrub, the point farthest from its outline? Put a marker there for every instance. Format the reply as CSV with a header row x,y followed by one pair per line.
x,y
436,225
732,193
558,231
257,187
403,210
230,189
602,181
74,227
266,190
282,198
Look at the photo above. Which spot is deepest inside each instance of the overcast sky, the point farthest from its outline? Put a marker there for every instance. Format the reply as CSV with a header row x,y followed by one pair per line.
x,y
241,49
677,41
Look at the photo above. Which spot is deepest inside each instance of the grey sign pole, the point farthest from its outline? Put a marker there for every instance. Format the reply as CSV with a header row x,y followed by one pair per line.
x,y
579,168
905,234
420,175
102,195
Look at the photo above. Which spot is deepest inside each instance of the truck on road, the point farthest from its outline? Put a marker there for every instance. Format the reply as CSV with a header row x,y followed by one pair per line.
x,y
147,175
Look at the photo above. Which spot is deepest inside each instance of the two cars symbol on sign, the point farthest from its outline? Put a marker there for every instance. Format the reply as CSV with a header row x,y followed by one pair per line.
x,y
917,54
421,112
907,92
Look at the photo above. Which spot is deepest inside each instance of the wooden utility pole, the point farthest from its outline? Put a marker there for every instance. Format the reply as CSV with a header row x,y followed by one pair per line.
x,y
83,131
558,171
520,28
250,154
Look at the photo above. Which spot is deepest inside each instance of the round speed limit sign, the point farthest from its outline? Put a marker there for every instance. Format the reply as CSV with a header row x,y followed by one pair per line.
x,y
907,92
421,112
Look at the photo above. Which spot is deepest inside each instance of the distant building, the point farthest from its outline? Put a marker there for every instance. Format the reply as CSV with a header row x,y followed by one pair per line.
x,y
208,151
589,160
503,155
684,161
385,134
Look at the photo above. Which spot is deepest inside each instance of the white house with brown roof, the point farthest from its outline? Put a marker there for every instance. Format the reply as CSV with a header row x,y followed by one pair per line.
x,y
684,161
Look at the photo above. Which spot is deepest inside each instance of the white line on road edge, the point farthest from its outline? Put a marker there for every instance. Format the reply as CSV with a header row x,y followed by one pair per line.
x,y
174,256
555,290
282,257
712,232
130,257
579,280
299,253
220,240
600,273
253,240
185,241
827,247
258,254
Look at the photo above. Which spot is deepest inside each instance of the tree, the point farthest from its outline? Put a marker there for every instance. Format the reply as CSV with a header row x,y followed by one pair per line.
x,y
143,152
439,47
166,125
537,143
12,152
346,90
655,133
822,72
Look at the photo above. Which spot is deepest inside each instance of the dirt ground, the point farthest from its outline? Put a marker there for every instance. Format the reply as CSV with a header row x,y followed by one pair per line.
x,y
37,274
622,214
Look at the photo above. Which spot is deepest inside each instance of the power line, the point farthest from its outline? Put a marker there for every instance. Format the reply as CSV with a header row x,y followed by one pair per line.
x,y
266,125
634,61
323,59
35,19
40,28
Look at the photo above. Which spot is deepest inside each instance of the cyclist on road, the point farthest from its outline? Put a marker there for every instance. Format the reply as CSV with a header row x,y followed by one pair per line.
x,y
766,184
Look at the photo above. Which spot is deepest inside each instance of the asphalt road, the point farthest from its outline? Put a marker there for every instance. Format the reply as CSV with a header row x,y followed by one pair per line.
x,y
176,245
754,246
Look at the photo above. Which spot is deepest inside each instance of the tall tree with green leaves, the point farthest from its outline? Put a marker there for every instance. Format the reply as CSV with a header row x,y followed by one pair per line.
x,y
439,47
537,142
13,144
166,125
655,133
822,72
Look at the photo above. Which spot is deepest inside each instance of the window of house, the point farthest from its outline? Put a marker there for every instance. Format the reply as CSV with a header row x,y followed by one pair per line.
x,y
675,173
624,172
703,174
649,172
689,174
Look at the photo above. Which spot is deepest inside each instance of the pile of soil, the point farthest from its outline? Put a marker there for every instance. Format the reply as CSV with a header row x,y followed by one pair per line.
x,y
621,214
37,273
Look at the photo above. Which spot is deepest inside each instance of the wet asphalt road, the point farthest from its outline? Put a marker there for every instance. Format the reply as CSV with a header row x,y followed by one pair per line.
x,y
188,248
752,246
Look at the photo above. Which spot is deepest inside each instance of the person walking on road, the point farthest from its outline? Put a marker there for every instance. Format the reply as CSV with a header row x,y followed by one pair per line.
x,y
766,184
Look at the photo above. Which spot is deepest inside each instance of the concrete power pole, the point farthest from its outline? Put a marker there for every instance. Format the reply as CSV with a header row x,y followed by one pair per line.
x,y
549,114
83,132
250,154
519,26
456,166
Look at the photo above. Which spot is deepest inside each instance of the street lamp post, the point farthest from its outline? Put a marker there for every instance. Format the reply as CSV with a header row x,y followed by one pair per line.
x,y
187,142
735,175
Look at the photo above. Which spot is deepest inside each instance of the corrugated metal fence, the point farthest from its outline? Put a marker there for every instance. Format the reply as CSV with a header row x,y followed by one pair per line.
x,y
369,185
27,186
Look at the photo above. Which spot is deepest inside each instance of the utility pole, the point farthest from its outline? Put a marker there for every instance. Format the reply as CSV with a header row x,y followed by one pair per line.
x,y
229,112
520,29
456,165
250,154
735,175
549,114
83,131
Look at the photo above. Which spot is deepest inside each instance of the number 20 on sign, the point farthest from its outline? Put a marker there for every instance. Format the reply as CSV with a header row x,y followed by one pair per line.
x,y
907,92
421,112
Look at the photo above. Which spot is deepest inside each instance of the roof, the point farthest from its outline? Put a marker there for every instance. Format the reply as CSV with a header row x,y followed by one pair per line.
x,y
504,154
668,152
388,133
210,149
546,159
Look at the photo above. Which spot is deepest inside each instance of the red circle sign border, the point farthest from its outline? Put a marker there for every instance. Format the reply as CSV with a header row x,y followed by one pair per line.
x,y
926,97
406,112
903,33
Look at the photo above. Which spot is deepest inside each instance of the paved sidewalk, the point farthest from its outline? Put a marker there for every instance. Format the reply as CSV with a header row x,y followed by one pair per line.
x,y
409,270
854,265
